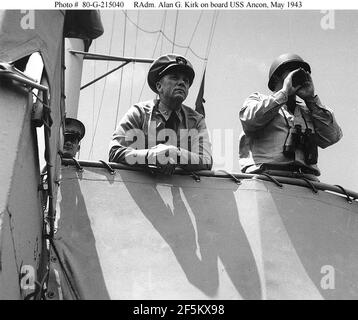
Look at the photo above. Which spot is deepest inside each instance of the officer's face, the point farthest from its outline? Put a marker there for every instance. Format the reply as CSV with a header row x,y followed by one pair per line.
x,y
173,86
70,146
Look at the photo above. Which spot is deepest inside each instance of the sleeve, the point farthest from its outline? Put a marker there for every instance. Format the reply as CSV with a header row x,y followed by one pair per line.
x,y
326,127
200,155
259,109
128,141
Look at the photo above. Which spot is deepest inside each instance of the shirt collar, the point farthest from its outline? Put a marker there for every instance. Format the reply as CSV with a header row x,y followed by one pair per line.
x,y
166,112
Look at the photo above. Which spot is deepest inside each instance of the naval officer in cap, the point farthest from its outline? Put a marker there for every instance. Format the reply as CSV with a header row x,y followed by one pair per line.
x,y
164,133
74,132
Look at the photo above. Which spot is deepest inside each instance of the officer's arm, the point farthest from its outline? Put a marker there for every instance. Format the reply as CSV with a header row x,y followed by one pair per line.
x,y
200,155
326,127
259,109
128,141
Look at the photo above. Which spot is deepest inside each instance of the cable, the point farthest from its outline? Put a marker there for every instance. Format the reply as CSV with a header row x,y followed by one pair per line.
x,y
144,81
135,54
211,36
196,27
165,36
104,88
175,29
155,47
210,40
140,28
184,47
162,27
120,84
94,88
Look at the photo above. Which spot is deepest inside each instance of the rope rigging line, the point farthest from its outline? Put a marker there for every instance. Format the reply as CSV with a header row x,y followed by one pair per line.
x,y
134,64
211,35
212,31
94,88
210,39
104,88
164,21
165,36
155,48
175,29
194,31
120,84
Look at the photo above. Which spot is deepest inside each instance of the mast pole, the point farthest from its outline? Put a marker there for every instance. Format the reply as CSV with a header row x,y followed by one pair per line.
x,y
73,75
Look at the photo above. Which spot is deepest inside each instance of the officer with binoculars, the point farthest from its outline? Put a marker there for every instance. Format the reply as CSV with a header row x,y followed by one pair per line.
x,y
280,134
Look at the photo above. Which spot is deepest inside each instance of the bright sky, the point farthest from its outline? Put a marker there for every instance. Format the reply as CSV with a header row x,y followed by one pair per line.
x,y
243,47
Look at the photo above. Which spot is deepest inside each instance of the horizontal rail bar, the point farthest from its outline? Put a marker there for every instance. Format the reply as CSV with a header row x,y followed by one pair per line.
x,y
219,174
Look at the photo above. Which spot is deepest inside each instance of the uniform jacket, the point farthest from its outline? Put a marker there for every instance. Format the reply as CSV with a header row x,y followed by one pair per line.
x,y
150,120
265,130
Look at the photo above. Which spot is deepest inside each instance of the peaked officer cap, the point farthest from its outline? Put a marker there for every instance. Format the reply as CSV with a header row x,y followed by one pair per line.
x,y
167,64
74,127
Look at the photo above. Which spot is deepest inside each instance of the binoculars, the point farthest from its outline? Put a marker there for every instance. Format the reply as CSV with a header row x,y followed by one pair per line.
x,y
305,141
299,77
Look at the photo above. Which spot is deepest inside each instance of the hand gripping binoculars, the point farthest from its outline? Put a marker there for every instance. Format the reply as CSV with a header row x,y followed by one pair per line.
x,y
299,77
